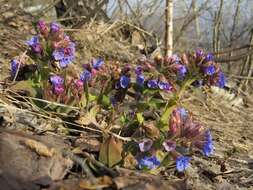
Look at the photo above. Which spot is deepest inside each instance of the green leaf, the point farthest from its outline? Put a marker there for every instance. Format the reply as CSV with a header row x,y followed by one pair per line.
x,y
25,86
110,151
140,118
156,103
92,97
106,100
163,122
83,102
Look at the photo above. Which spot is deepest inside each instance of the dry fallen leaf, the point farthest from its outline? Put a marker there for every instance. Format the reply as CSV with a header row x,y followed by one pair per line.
x,y
39,148
101,182
89,117
151,130
130,162
110,151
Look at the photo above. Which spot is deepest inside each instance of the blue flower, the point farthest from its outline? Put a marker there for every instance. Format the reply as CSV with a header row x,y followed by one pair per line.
x,y
164,86
85,76
221,80
124,81
97,63
209,57
138,70
140,80
14,67
65,55
208,147
34,44
181,72
182,163
56,80
210,70
183,113
149,162
152,84
33,41
54,27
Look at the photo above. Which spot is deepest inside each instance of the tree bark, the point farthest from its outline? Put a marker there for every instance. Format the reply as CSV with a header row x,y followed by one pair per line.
x,y
169,28
216,29
235,20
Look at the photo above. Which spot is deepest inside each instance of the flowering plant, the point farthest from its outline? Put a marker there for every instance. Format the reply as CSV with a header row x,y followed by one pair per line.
x,y
142,98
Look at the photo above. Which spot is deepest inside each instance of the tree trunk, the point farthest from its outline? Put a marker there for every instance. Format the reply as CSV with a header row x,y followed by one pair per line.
x,y
216,28
169,28
196,21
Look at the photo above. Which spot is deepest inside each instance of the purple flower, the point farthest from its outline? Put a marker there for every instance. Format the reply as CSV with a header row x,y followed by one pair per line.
x,y
34,44
182,163
65,55
221,80
56,80
175,59
97,63
169,145
57,83
124,81
209,57
54,27
145,145
43,27
164,86
14,67
85,76
138,70
140,80
58,89
149,162
199,53
117,85
177,119
78,84
210,70
152,84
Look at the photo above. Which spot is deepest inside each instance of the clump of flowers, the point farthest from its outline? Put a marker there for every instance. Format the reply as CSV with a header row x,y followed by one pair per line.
x,y
185,135
142,98
199,65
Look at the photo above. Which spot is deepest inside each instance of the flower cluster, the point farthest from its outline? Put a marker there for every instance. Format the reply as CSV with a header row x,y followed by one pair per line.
x,y
200,65
57,84
54,41
90,70
184,135
140,80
